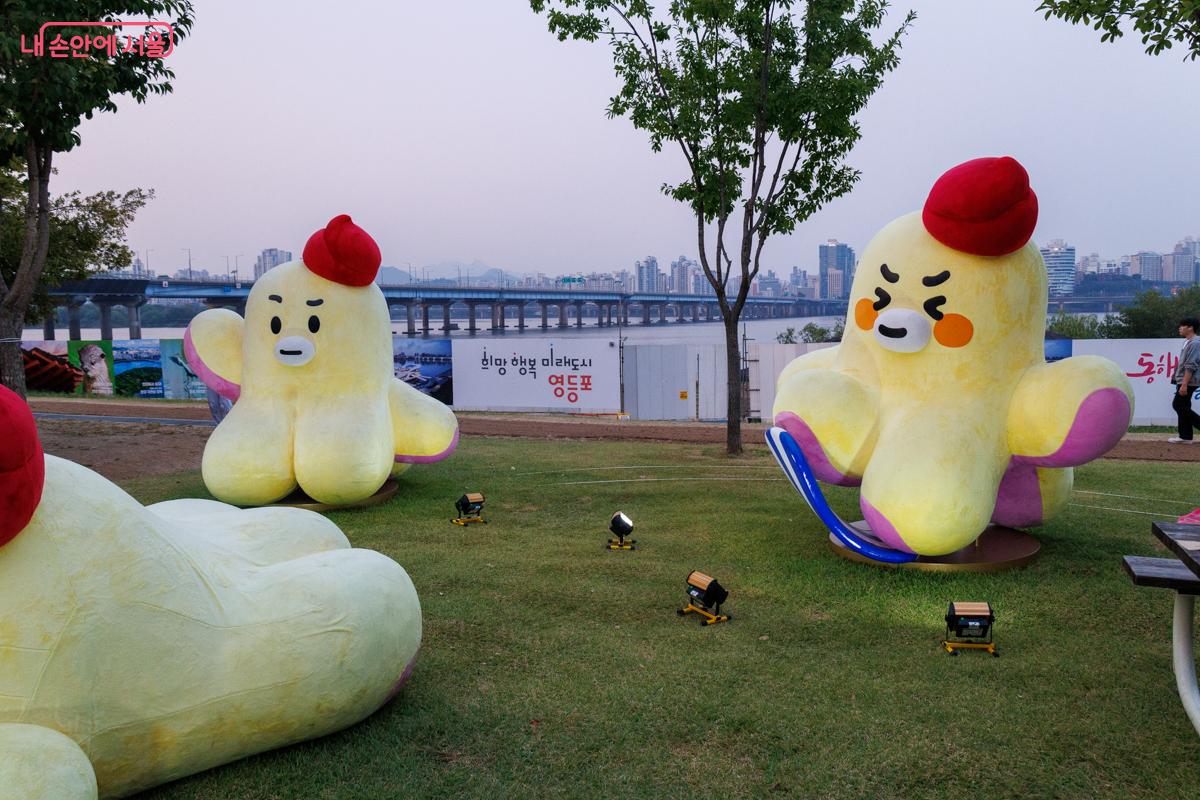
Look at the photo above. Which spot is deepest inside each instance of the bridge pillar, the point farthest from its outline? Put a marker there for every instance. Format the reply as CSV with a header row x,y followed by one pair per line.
x,y
623,312
471,317
135,319
446,317
695,312
679,314
424,319
610,314
500,322
579,314
48,326
545,313
562,315
73,320
105,320
410,319
521,316
645,313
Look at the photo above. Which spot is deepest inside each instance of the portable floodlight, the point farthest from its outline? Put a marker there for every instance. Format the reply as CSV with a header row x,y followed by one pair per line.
x,y
470,509
622,526
705,590
969,626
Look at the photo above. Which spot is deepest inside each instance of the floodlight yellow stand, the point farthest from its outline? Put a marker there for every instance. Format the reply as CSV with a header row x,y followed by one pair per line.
x,y
706,617
617,544
987,646
468,520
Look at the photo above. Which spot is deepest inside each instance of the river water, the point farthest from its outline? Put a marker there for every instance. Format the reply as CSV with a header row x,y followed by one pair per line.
x,y
759,330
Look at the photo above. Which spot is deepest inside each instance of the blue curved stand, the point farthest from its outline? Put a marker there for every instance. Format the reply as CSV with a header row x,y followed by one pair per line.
x,y
795,466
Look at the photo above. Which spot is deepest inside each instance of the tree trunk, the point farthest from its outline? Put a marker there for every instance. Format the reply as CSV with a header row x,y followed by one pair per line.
x,y
34,246
12,367
733,367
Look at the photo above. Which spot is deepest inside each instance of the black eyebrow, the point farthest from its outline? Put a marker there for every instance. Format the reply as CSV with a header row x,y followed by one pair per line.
x,y
931,306
314,302
936,280
275,297
888,275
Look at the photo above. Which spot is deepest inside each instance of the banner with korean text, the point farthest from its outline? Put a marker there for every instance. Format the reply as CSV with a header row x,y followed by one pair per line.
x,y
1149,364
523,374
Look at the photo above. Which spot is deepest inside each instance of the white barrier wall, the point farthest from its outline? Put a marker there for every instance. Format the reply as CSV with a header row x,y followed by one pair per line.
x,y
675,381
766,362
526,374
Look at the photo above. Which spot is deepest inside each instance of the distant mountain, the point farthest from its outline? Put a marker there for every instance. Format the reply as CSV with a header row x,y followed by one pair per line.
x,y
390,276
476,271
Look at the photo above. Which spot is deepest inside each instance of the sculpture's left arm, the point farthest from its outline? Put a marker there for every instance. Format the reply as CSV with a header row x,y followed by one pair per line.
x,y
1069,412
424,429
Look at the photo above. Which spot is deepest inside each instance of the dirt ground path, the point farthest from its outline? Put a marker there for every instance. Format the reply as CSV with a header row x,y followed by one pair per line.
x,y
124,449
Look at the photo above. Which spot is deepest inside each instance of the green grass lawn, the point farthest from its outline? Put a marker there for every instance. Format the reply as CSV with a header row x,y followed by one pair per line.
x,y
553,668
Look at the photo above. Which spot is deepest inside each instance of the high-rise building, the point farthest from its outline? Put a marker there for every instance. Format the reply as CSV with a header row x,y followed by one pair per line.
x,y
1148,264
1060,267
835,280
700,284
647,274
1185,261
269,259
835,255
626,281
682,270
769,285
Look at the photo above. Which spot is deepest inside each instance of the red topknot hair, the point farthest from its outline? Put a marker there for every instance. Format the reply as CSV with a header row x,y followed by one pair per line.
x,y
22,465
343,253
984,207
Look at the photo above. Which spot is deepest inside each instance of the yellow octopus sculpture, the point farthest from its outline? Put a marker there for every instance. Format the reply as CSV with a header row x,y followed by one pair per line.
x,y
141,644
938,401
318,404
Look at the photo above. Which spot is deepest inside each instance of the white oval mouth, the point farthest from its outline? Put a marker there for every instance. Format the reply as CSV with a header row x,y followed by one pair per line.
x,y
294,351
902,330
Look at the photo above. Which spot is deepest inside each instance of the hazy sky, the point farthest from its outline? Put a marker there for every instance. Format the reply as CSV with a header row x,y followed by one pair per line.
x,y
461,129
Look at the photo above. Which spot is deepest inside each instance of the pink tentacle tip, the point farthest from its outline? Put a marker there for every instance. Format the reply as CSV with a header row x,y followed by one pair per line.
x,y
821,466
1101,421
407,459
403,679
226,388
881,527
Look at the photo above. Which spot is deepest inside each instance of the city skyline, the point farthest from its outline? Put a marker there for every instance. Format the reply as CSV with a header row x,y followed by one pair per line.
x,y
427,143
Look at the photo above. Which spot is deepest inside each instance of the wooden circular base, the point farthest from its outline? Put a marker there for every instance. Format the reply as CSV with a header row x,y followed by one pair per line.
x,y
997,549
298,499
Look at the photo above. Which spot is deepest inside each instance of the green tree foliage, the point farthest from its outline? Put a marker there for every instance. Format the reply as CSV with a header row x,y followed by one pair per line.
x,y
1161,23
1153,316
1083,326
43,100
812,333
87,234
760,99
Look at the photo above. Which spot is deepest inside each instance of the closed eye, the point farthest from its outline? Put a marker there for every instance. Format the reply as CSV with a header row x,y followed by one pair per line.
x,y
931,306
936,280
884,299
888,275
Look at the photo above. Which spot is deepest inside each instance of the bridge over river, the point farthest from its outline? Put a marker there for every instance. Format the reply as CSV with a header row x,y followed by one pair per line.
x,y
532,307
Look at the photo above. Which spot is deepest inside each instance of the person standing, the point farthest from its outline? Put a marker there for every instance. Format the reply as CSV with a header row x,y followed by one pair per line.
x,y
1185,381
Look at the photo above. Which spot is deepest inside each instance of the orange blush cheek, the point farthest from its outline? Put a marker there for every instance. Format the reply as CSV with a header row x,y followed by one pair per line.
x,y
865,314
953,330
